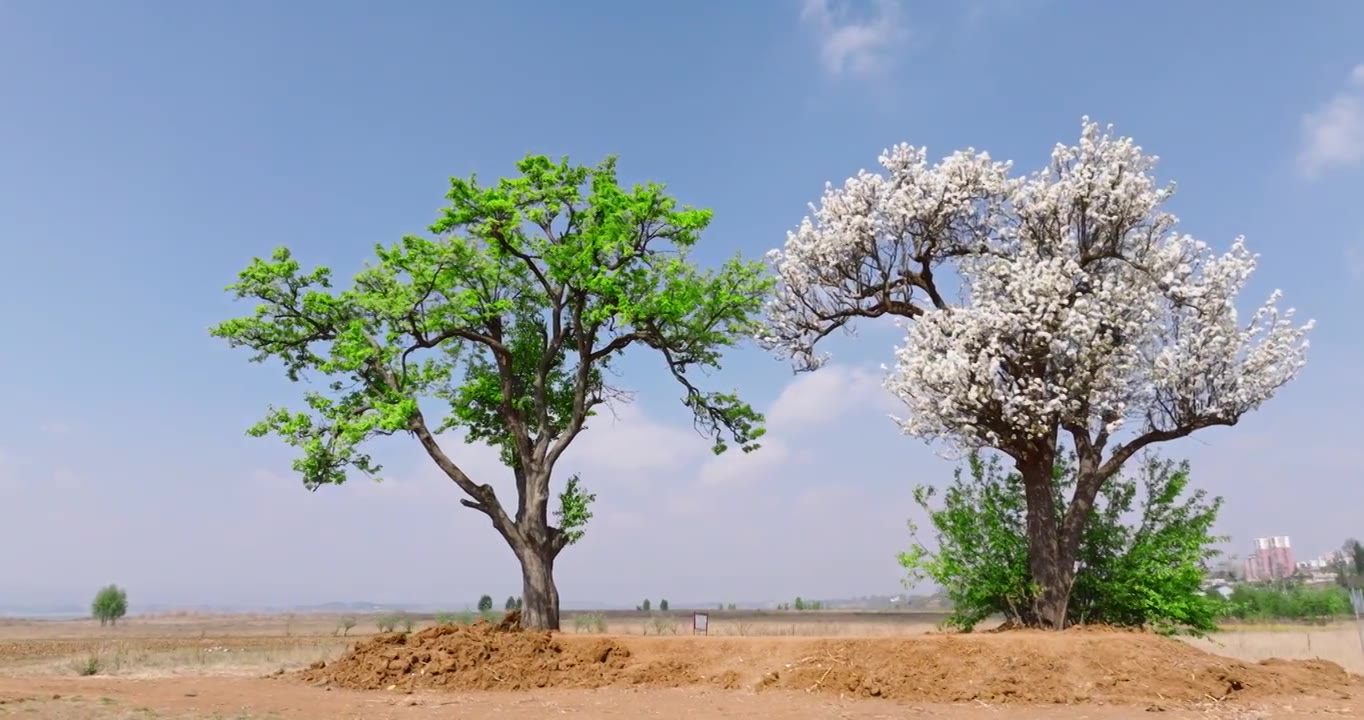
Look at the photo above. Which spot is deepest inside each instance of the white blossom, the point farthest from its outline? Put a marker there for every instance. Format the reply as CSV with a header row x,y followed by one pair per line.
x,y
1081,308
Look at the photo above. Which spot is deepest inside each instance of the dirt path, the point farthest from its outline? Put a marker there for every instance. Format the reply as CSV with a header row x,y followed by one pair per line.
x,y
252,699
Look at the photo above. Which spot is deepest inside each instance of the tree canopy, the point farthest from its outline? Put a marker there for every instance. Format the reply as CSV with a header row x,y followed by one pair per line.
x,y
509,321
110,605
1082,313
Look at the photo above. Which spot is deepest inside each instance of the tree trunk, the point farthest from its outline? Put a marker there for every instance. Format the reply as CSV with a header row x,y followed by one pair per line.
x,y
1050,560
541,607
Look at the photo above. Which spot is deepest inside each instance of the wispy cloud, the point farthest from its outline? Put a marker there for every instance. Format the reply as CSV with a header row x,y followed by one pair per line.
x,y
1333,134
854,45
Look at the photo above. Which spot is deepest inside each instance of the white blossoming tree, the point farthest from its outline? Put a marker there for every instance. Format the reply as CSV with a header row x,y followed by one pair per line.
x,y
1083,316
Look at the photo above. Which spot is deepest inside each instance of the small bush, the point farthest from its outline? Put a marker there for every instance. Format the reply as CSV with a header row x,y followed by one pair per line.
x,y
91,665
590,623
386,623
663,605
345,625
485,603
661,626
407,622
445,618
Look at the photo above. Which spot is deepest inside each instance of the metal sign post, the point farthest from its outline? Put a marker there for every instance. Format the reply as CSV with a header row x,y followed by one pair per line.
x,y
700,623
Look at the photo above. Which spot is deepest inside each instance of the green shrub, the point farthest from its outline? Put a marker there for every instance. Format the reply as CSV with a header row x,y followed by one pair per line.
x,y
110,604
1145,574
1262,603
485,603
386,623
345,625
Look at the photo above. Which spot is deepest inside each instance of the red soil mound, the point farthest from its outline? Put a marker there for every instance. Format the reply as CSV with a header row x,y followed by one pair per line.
x,y
1024,667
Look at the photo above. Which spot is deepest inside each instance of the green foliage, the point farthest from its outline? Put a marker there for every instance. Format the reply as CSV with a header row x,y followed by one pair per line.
x,y
485,603
519,603
510,604
1146,573
344,626
800,604
573,512
530,291
645,606
663,605
110,605
1350,567
1261,603
406,622
386,623
732,606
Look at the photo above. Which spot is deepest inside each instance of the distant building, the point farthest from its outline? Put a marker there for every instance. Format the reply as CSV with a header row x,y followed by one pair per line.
x,y
1272,560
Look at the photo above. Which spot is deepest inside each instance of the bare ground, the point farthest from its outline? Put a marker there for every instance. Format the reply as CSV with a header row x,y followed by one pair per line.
x,y
199,668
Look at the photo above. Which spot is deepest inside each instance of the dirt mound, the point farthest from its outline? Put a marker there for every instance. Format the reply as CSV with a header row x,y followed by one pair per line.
x,y
1035,667
480,656
1020,667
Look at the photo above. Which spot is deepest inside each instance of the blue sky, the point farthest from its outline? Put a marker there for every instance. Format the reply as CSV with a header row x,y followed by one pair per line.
x,y
149,149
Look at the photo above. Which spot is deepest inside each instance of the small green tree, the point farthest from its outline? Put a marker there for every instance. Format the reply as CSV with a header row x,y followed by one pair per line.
x,y
509,322
663,605
110,604
800,604
510,604
1146,573
519,603
485,603
645,605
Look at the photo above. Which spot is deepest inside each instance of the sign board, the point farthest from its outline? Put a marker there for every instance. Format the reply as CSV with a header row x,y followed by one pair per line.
x,y
699,623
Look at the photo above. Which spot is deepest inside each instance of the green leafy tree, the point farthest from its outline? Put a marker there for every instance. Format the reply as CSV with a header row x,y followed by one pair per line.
x,y
509,320
519,603
485,603
1147,572
510,604
800,604
110,605
645,606
1350,564
663,605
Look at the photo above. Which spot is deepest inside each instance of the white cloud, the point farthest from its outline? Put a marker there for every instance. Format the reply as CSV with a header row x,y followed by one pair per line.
x,y
810,402
817,398
1333,135
858,46
736,466
624,440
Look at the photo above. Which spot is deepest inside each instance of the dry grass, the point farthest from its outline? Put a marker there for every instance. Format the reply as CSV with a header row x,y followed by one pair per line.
x,y
1338,643
245,644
